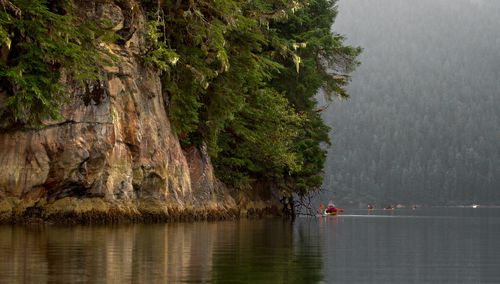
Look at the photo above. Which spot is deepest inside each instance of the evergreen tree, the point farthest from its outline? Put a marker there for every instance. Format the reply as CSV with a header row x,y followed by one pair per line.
x,y
39,39
240,76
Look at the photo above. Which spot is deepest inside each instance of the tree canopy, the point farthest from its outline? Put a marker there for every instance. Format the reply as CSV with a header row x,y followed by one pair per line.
x,y
39,39
240,76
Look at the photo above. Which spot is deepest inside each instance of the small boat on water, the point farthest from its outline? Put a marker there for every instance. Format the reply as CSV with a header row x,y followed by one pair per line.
x,y
331,210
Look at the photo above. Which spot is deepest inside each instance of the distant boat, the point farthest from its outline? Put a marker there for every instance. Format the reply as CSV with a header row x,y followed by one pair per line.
x,y
329,213
475,206
332,210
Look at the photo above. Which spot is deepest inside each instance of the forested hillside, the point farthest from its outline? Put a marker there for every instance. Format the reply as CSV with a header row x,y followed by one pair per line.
x,y
423,123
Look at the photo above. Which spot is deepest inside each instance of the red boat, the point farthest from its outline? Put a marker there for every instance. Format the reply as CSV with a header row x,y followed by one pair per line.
x,y
332,210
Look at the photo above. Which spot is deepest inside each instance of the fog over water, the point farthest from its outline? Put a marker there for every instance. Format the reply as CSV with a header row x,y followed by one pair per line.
x,y
423,121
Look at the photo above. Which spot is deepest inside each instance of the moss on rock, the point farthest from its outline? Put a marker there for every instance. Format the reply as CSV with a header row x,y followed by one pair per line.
x,y
72,210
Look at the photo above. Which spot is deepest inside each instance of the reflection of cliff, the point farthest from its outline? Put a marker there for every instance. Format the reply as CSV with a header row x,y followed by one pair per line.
x,y
137,254
247,251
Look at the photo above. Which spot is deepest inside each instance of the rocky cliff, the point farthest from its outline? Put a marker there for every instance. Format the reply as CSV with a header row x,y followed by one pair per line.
x,y
114,154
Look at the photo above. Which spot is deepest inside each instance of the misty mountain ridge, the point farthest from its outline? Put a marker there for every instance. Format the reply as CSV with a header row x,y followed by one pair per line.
x,y
423,123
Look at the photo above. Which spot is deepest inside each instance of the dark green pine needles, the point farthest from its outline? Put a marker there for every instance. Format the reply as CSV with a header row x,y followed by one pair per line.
x,y
38,40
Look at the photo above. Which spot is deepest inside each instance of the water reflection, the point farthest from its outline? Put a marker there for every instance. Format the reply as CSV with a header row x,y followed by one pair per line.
x,y
270,252
243,251
421,246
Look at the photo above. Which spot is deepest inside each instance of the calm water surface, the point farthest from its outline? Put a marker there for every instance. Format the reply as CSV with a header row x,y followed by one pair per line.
x,y
404,246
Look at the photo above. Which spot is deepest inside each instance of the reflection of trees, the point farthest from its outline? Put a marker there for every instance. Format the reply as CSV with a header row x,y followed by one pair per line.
x,y
308,263
248,251
269,251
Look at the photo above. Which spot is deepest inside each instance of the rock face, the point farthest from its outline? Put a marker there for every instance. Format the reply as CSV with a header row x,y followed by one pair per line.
x,y
114,153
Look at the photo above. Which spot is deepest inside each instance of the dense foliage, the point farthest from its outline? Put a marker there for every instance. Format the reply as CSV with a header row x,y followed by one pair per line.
x,y
240,76
38,40
423,125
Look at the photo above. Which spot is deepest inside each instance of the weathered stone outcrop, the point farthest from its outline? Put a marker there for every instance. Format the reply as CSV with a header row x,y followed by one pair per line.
x,y
114,155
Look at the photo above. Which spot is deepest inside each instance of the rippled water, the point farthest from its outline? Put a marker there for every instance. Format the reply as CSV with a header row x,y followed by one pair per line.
x,y
404,246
